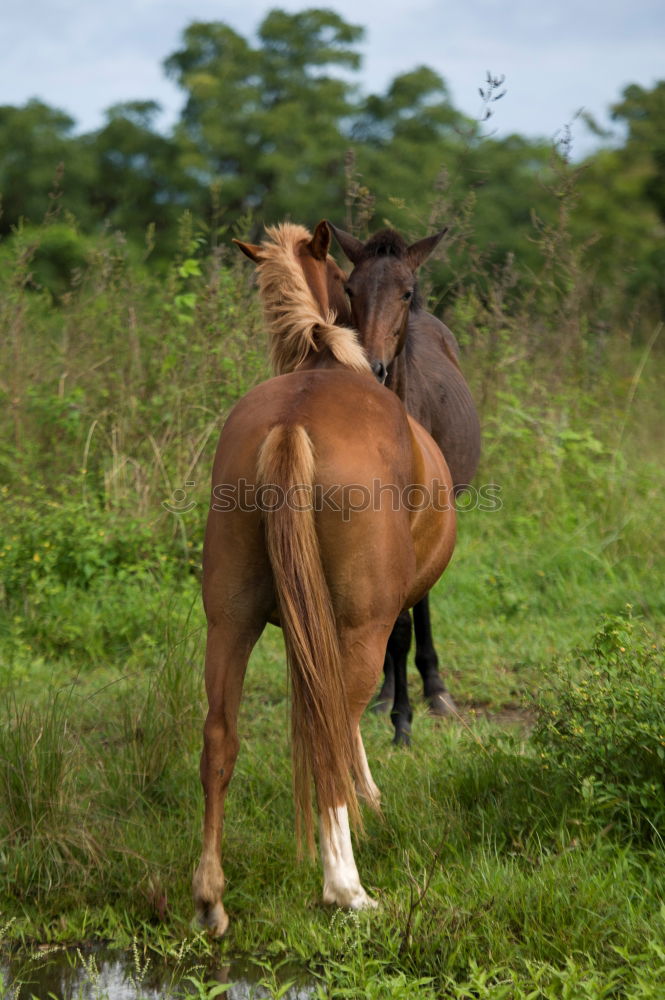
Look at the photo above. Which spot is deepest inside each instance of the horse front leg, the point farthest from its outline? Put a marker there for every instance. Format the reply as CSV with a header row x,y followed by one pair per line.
x,y
366,788
436,694
386,695
399,644
227,654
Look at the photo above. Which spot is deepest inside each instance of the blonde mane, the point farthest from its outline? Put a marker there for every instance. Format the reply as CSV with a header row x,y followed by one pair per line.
x,y
292,315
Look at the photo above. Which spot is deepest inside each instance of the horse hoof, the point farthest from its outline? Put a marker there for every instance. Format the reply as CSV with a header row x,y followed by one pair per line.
x,y
213,919
348,898
441,705
402,737
363,902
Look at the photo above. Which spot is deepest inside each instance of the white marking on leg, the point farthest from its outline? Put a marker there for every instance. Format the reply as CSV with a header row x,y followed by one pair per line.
x,y
341,882
367,790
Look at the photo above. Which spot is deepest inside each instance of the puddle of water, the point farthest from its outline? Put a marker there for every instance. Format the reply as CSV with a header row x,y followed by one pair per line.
x,y
105,975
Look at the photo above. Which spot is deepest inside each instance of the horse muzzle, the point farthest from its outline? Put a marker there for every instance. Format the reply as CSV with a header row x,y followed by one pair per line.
x,y
380,371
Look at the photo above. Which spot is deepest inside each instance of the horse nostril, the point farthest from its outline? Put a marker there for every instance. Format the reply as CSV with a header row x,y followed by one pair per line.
x,y
379,370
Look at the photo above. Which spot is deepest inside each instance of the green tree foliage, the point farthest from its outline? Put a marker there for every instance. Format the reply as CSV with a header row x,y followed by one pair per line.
x,y
137,178
277,127
39,156
622,201
266,121
643,111
409,132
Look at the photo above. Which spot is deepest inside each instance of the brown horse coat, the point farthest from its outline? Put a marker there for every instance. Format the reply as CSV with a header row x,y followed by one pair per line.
x,y
419,352
329,514
418,358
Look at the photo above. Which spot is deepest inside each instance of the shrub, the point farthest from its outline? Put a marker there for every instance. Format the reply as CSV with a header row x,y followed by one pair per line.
x,y
50,540
601,725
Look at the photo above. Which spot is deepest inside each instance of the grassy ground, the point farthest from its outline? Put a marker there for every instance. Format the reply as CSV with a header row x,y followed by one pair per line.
x,y
505,865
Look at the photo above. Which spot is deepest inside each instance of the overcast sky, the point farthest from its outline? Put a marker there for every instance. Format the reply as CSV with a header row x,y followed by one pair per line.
x,y
557,56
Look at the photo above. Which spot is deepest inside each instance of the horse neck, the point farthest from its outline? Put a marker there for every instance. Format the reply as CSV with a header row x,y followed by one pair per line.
x,y
301,328
321,359
398,372
428,379
408,382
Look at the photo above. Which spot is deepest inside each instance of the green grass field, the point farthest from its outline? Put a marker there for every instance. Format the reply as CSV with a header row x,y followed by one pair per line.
x,y
510,862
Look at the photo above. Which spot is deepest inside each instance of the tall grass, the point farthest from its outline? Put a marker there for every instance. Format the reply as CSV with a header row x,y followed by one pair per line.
x,y
118,386
45,824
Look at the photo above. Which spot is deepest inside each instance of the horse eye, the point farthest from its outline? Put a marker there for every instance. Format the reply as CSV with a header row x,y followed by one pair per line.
x,y
407,296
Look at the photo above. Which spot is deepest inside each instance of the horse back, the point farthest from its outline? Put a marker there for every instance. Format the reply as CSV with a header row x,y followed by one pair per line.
x,y
367,457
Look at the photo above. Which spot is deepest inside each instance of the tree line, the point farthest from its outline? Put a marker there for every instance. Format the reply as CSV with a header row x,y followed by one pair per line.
x,y
280,129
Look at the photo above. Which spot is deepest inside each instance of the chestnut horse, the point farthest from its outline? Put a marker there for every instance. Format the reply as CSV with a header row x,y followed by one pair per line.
x,y
418,358
329,515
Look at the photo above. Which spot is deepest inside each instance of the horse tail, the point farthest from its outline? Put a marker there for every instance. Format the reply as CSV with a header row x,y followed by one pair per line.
x,y
322,744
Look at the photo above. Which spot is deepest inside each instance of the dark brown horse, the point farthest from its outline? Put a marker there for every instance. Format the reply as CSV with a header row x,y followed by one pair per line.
x,y
329,515
418,357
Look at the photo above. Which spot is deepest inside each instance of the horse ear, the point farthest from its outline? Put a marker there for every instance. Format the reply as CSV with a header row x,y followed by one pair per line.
x,y
352,247
250,250
418,252
320,241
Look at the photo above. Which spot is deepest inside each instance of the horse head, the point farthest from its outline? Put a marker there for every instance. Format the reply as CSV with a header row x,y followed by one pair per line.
x,y
382,290
302,291
324,276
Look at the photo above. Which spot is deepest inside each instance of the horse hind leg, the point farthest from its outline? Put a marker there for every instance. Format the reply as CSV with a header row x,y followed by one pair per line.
x,y
363,657
227,653
341,881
